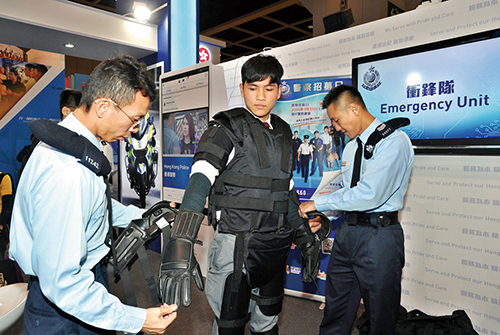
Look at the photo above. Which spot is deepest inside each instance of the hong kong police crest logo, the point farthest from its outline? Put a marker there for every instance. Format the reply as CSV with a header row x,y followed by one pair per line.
x,y
371,79
285,91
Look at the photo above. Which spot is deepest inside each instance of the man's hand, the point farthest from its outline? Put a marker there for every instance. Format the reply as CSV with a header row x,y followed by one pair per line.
x,y
306,207
159,318
315,224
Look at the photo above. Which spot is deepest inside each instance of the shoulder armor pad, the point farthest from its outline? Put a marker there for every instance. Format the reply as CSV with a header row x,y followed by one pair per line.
x,y
72,144
382,131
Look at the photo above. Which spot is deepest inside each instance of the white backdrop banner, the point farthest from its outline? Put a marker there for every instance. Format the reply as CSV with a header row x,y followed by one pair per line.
x,y
451,222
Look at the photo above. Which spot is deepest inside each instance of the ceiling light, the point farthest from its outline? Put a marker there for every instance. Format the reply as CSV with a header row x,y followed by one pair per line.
x,y
69,45
141,11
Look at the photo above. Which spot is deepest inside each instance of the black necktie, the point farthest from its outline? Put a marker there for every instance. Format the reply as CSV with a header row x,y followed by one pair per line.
x,y
357,164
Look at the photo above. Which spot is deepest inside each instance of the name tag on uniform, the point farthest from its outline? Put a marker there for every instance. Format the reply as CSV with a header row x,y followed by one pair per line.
x,y
344,163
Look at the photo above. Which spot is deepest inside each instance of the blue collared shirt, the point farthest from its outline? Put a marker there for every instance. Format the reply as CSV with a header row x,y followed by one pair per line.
x,y
59,224
384,177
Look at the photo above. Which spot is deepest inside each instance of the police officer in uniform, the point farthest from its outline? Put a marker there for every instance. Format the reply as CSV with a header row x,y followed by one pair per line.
x,y
305,155
296,142
318,146
368,252
244,164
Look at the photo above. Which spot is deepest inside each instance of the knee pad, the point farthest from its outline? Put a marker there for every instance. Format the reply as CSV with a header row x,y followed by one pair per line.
x,y
270,298
272,331
234,310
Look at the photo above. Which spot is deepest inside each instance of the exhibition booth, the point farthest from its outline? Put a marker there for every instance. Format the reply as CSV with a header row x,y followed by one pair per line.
x,y
436,65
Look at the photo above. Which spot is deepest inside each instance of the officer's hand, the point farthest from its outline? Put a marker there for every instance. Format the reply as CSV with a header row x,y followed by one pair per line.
x,y
315,224
305,208
179,264
159,318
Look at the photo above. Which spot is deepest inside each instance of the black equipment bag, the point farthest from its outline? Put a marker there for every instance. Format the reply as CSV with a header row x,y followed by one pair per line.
x,y
417,322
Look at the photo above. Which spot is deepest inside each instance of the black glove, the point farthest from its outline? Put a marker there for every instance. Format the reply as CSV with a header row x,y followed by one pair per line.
x,y
306,241
179,264
140,232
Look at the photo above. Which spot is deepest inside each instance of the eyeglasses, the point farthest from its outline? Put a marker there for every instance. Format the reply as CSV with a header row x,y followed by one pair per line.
x,y
135,123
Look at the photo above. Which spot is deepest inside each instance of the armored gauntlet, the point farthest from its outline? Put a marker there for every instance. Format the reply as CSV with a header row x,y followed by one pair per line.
x,y
141,232
306,241
179,264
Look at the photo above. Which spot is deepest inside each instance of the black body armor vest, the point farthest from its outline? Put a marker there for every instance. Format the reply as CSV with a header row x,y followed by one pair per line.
x,y
252,191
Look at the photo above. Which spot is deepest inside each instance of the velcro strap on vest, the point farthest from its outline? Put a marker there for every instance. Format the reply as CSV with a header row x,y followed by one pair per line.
x,y
287,149
246,181
248,203
267,301
238,269
212,149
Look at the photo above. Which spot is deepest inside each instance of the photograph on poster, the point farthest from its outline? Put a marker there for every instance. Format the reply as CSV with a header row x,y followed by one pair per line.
x,y
181,135
182,131
189,127
139,164
140,154
316,146
16,76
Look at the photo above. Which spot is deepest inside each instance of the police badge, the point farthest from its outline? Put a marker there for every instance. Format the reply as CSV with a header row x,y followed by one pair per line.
x,y
371,79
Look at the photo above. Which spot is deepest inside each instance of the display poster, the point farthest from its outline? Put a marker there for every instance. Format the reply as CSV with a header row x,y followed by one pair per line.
x,y
28,91
185,99
185,103
300,105
139,158
139,155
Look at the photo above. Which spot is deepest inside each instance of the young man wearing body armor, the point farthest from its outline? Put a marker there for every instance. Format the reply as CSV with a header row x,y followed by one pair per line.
x,y
244,166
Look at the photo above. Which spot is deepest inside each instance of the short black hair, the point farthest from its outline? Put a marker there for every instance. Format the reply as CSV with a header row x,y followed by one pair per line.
x,y
30,66
337,92
261,67
69,98
118,79
42,68
14,71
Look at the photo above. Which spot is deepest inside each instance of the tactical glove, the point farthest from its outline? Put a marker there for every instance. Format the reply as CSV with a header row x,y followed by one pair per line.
x,y
179,264
306,241
141,232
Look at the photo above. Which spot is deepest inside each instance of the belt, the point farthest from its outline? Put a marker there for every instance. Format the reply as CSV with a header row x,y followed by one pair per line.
x,y
382,219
